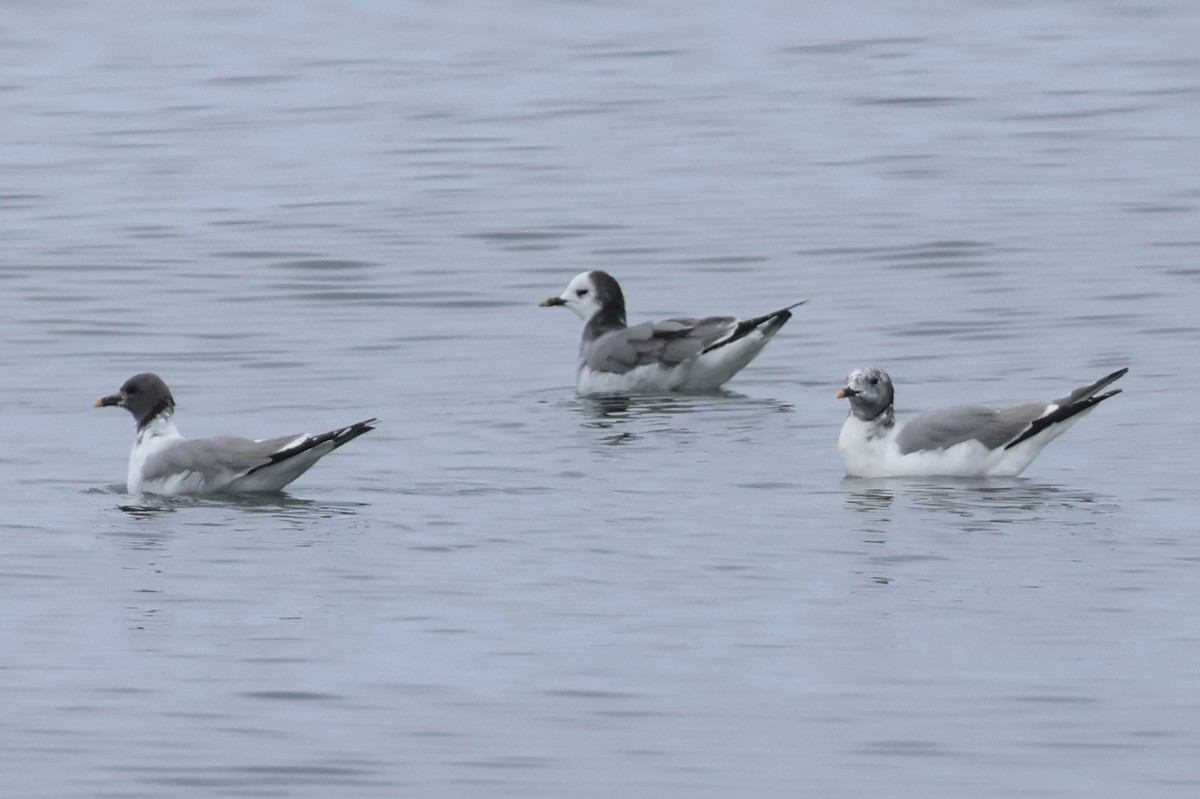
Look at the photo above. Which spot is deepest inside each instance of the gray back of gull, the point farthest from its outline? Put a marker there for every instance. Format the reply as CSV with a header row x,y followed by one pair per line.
x,y
213,457
945,427
667,343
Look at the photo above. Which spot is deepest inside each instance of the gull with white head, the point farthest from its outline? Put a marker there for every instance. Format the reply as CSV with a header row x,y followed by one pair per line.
x,y
686,354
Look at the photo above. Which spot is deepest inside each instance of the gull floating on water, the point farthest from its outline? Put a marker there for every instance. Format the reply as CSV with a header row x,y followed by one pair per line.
x,y
959,441
164,462
672,355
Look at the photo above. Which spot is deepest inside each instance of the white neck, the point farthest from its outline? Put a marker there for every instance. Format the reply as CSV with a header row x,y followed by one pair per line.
x,y
161,425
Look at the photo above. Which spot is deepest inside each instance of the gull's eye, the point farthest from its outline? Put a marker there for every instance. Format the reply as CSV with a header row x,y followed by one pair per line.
x,y
874,381
581,292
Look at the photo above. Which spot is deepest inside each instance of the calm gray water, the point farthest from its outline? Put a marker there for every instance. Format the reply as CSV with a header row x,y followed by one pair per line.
x,y
303,214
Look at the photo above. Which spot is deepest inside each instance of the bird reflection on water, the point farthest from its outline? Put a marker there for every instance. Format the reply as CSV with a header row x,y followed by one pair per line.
x,y
664,413
999,500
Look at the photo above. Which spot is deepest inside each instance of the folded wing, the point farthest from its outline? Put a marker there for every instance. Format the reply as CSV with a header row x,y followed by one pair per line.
x,y
945,427
673,341
999,427
666,343
212,463
212,460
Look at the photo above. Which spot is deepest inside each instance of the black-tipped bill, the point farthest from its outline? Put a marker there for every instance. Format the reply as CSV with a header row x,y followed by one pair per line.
x,y
111,399
550,302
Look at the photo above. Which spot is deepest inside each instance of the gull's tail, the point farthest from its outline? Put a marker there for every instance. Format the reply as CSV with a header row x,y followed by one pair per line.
x,y
1078,401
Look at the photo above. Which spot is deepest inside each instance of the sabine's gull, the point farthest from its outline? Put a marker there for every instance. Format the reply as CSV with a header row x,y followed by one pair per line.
x,y
164,462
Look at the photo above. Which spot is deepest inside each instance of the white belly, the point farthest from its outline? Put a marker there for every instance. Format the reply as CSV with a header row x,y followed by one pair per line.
x,y
880,457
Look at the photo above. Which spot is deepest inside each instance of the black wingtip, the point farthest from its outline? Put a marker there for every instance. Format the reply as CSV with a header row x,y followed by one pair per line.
x,y
1084,392
339,437
775,317
1064,412
1112,378
770,324
351,432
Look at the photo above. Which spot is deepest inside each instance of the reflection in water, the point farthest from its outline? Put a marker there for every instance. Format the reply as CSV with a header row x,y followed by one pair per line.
x,y
604,411
151,506
284,505
661,413
150,513
276,504
1000,500
902,521
868,499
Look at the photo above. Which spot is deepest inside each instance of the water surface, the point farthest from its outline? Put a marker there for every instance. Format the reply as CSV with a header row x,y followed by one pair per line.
x,y
305,215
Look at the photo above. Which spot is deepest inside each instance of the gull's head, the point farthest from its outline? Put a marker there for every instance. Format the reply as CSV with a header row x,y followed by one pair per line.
x,y
869,391
145,396
590,293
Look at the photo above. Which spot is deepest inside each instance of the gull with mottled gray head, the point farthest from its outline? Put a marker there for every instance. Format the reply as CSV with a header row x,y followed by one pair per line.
x,y
164,462
958,441
687,354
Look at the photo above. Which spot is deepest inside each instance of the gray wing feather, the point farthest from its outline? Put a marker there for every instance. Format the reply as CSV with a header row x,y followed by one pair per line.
x,y
668,343
1087,392
213,457
945,427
